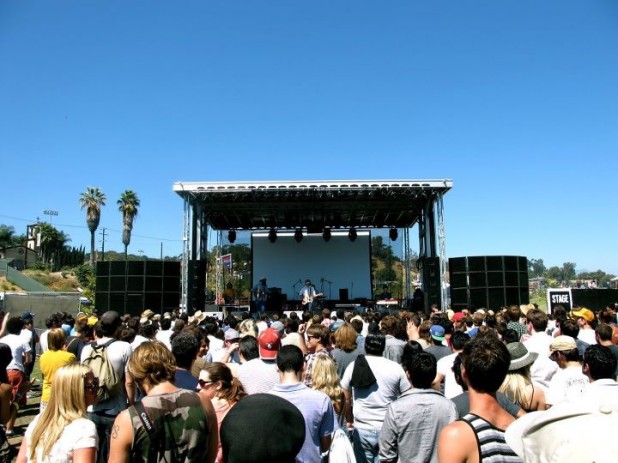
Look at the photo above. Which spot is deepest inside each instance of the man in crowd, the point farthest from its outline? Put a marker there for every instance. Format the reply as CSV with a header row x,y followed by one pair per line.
x,y
316,407
480,434
260,374
604,334
413,422
390,326
104,412
569,383
513,315
437,348
185,347
445,378
371,383
585,319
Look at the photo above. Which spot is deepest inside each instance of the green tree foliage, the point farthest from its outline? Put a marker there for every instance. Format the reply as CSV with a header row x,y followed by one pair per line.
x,y
536,268
6,235
599,276
92,200
128,204
53,242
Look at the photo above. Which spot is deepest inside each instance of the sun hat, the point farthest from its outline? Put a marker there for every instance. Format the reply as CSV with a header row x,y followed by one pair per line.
x,y
559,434
520,356
437,332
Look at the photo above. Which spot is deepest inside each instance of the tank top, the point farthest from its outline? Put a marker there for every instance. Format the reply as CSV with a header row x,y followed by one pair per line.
x,y
181,421
490,441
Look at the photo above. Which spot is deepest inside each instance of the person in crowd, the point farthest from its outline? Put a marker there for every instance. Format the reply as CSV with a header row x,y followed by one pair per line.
x,y
202,353
459,321
83,334
437,338
346,350
248,327
445,378
358,324
6,390
292,334
478,318
462,401
513,317
599,365
229,353
184,424
607,316
185,347
282,442
370,384
223,390
538,340
569,382
62,432
413,422
480,433
29,335
315,406
22,355
518,385
570,327
55,357
587,323
326,380
318,338
165,332
604,333
391,326
104,412
260,374
51,322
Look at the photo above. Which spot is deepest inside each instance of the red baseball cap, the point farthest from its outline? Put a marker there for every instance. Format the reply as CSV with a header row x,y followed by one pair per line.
x,y
269,343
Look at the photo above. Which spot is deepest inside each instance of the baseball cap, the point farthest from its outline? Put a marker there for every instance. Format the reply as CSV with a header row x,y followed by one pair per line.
x,y
278,326
282,442
27,316
437,332
562,343
231,335
584,313
458,316
269,343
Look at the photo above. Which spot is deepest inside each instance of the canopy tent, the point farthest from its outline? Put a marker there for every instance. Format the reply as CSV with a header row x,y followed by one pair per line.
x,y
313,206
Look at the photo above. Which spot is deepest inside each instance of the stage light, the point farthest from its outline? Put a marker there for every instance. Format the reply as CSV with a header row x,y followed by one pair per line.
x,y
352,234
326,234
298,235
272,235
231,236
393,234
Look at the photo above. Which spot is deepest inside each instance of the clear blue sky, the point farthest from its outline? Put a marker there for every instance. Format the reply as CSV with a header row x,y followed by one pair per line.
x,y
515,101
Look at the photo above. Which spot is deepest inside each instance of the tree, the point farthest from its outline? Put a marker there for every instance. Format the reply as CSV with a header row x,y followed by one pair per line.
x,y
6,235
53,242
536,268
92,200
128,204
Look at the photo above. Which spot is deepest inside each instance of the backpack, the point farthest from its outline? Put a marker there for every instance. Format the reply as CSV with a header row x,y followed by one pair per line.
x,y
103,369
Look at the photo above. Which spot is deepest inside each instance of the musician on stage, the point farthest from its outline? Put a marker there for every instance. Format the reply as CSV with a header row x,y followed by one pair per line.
x,y
260,295
308,294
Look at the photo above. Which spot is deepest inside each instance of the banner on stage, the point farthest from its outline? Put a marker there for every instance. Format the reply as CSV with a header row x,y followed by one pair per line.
x,y
226,260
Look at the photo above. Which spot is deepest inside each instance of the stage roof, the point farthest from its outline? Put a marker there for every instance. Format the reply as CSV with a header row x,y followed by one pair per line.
x,y
313,205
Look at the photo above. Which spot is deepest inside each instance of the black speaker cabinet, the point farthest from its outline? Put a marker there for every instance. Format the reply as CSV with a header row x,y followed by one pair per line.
x,y
488,281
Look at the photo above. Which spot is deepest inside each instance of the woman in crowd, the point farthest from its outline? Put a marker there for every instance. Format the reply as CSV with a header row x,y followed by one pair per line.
x,y
53,358
518,386
168,424
222,389
248,327
6,390
62,432
346,350
326,380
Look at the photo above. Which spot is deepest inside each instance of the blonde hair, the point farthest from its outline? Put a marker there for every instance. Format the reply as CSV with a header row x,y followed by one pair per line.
x,y
248,327
56,338
67,403
515,386
325,379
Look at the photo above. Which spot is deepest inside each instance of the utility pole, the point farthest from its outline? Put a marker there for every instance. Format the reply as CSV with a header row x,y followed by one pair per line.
x,y
103,244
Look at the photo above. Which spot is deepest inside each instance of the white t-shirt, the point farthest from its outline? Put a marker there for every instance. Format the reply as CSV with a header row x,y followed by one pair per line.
x,y
588,336
567,384
445,367
43,341
370,403
80,434
18,349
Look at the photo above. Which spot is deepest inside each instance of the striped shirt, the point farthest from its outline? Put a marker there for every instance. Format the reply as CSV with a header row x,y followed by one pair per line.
x,y
490,441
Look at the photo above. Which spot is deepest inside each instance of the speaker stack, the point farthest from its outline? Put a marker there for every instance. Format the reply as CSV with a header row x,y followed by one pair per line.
x,y
491,282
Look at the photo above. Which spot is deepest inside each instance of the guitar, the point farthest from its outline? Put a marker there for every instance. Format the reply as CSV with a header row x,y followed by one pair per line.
x,y
309,299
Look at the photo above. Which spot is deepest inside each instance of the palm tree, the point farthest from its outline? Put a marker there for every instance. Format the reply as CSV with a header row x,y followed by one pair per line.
x,y
127,204
92,199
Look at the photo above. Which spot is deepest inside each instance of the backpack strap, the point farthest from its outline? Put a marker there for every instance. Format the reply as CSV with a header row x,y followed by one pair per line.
x,y
149,426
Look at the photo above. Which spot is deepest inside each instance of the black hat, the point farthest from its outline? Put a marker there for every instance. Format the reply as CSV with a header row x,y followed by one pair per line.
x,y
262,428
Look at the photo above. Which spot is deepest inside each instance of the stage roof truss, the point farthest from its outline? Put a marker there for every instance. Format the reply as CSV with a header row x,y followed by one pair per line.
x,y
313,205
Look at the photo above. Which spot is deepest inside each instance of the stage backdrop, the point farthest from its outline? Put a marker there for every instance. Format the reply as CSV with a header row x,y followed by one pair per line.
x,y
286,264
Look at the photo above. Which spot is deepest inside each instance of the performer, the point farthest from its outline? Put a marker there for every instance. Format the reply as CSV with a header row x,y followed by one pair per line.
x,y
308,295
260,295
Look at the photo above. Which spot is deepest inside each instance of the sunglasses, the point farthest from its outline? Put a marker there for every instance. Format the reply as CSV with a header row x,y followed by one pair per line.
x,y
203,383
93,386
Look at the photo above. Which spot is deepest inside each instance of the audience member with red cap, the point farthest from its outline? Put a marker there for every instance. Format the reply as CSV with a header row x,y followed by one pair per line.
x,y
260,374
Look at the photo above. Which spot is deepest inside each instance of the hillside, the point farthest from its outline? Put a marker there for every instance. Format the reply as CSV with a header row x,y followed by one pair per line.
x,y
64,282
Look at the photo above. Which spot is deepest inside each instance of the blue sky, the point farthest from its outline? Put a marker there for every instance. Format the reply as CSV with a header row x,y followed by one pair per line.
x,y
515,101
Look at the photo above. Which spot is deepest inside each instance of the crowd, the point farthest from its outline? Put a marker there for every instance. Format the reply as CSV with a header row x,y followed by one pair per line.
x,y
510,385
